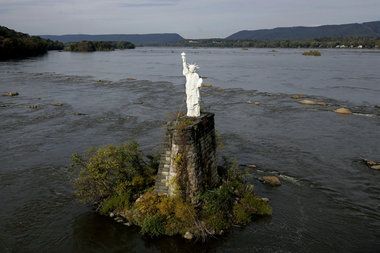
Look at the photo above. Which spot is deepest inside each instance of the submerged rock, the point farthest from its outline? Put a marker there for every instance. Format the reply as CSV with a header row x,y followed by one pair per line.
x,y
372,164
297,96
271,180
253,102
188,236
10,94
206,85
34,106
119,220
79,114
251,166
311,102
343,110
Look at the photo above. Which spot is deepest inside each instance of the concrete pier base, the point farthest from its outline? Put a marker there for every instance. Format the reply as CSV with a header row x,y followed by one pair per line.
x,y
188,164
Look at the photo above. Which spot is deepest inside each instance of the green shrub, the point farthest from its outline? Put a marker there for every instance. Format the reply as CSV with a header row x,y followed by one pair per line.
x,y
312,53
113,173
153,226
249,205
118,202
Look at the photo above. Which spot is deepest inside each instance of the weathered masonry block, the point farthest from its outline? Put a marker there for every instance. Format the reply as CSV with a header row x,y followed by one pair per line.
x,y
188,164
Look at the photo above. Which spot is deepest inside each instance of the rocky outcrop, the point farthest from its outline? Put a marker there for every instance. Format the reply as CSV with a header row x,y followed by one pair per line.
x,y
372,164
311,102
271,180
343,110
10,94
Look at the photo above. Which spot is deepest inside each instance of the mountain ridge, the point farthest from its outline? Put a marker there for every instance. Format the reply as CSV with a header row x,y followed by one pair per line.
x,y
366,29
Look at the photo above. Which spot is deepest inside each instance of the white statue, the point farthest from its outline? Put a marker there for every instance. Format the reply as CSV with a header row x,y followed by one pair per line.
x,y
193,83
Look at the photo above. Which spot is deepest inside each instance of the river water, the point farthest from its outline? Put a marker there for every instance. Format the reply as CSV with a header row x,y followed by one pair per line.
x,y
69,102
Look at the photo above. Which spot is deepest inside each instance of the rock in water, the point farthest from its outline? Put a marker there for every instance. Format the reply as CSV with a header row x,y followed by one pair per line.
x,y
298,96
311,102
343,110
188,236
372,164
207,85
34,106
271,180
11,94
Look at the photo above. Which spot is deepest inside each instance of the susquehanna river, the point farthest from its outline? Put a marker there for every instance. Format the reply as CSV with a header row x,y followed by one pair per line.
x,y
69,102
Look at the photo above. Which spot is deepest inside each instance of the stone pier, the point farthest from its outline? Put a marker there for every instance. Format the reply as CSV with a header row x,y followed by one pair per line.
x,y
188,163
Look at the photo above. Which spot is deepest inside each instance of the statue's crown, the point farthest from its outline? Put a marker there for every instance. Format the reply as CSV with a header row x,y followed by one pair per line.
x,y
194,65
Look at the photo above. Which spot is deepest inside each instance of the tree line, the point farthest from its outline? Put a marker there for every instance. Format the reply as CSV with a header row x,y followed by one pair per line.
x,y
20,45
91,46
16,45
354,42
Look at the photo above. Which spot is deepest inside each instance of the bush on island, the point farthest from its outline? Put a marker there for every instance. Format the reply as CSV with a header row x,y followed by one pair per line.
x,y
312,53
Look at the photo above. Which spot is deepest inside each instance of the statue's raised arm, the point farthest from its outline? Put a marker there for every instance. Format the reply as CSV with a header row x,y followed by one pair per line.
x,y
184,64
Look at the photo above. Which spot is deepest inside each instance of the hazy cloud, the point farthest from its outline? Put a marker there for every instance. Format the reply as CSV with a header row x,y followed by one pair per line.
x,y
190,18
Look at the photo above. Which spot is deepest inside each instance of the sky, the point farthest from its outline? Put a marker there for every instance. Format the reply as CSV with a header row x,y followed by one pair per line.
x,y
190,18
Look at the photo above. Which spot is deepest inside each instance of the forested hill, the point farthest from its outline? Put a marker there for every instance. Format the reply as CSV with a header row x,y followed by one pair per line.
x,y
137,39
368,29
19,45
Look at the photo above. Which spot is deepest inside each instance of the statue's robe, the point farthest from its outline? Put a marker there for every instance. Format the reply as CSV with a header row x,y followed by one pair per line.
x,y
193,83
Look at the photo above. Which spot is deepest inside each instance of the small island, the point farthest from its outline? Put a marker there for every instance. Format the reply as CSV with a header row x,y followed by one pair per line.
x,y
312,53
119,182
92,46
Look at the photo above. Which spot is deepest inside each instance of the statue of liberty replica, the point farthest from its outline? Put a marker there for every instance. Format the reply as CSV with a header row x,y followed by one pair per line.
x,y
188,163
193,83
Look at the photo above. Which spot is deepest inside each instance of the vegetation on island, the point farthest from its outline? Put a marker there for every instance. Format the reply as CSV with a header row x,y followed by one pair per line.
x,y
350,42
312,53
15,45
120,180
91,46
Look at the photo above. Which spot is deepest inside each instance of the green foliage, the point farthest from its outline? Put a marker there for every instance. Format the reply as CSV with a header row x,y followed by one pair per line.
x,y
248,205
312,53
153,226
183,122
117,202
176,215
111,173
19,45
91,46
236,198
